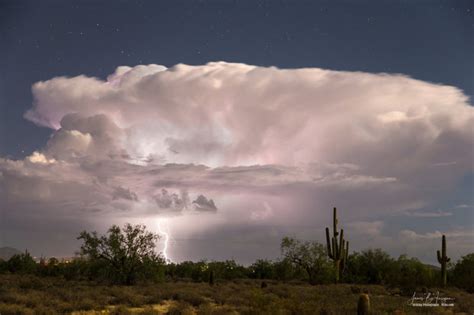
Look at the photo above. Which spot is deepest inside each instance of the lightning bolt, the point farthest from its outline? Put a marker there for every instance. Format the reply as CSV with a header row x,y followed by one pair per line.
x,y
166,236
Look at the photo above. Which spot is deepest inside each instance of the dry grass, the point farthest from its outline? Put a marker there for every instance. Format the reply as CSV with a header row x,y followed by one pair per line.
x,y
33,295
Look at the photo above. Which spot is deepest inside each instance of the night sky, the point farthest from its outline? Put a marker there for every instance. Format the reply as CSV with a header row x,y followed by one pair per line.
x,y
429,41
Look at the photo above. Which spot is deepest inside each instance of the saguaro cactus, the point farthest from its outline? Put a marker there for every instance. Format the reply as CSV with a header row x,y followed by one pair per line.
x,y
337,249
443,260
363,306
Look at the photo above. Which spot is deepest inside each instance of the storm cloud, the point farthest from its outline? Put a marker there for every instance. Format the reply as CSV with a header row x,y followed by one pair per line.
x,y
256,149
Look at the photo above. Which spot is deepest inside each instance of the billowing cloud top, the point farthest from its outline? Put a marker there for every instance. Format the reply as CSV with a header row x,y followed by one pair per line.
x,y
280,145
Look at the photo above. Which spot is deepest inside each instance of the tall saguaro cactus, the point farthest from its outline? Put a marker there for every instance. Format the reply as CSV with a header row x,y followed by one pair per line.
x,y
443,260
337,249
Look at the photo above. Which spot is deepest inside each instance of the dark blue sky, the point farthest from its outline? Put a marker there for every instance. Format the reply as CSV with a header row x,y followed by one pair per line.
x,y
428,40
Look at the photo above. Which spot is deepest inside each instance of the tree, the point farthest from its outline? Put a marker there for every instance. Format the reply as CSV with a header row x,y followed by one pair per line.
x,y
463,271
372,266
285,270
125,254
22,263
311,256
49,268
410,273
3,266
227,270
185,269
262,269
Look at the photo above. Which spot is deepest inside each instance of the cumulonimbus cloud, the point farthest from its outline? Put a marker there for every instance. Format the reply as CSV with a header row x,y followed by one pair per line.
x,y
242,134
223,114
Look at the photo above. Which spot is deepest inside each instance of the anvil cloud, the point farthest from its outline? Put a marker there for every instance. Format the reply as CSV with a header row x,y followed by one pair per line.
x,y
241,149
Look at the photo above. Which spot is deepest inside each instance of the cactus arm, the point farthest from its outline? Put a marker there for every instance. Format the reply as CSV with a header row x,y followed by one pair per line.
x,y
343,255
439,256
341,244
334,222
347,249
328,244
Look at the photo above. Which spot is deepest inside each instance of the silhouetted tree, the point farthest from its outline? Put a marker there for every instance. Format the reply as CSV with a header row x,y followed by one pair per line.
x,y
262,269
408,274
463,273
373,266
127,254
22,263
285,270
310,256
3,266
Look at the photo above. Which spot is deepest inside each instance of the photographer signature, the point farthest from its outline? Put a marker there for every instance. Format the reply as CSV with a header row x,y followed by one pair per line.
x,y
430,299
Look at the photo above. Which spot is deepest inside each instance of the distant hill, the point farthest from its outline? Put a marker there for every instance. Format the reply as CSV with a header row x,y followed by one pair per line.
x,y
7,252
433,267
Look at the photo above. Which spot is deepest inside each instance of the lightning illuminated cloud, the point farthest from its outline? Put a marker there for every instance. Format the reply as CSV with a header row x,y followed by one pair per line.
x,y
242,149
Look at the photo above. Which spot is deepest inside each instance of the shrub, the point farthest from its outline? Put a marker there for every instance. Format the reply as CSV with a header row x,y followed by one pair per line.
x,y
180,308
190,297
120,310
149,311
13,309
